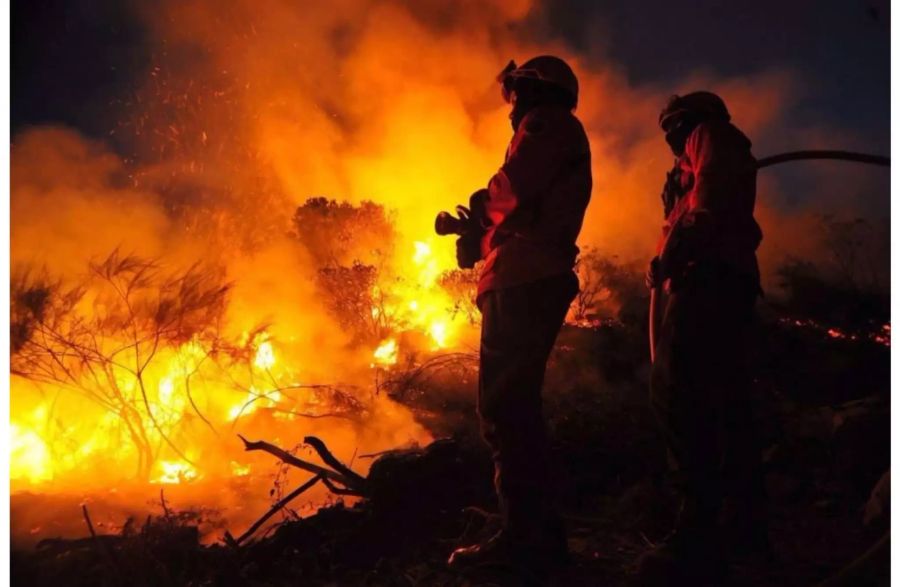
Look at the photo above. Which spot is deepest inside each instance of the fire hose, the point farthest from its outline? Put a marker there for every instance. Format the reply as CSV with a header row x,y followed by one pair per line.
x,y
656,293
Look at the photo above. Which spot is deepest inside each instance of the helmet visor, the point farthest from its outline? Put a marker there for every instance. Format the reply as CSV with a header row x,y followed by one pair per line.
x,y
669,120
510,74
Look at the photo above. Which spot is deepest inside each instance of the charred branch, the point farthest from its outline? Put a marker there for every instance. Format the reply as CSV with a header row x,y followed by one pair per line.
x,y
272,511
87,520
339,490
332,461
104,547
290,459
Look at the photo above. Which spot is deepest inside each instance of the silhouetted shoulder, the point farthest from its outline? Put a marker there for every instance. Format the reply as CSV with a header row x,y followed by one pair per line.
x,y
717,134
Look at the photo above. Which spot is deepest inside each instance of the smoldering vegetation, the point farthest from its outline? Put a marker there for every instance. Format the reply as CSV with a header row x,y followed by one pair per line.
x,y
822,403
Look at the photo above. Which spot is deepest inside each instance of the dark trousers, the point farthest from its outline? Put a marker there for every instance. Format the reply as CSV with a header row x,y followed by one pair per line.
x,y
519,327
701,396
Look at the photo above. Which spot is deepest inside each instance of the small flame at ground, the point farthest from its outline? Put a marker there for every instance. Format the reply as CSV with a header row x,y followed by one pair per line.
x,y
239,470
386,353
174,472
428,267
423,306
29,457
438,332
265,355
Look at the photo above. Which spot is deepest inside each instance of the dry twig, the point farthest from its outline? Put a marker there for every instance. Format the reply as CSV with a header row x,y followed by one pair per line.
x,y
272,511
332,461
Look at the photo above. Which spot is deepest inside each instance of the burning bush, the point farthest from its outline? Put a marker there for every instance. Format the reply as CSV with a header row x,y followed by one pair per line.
x,y
101,338
370,290
354,300
339,233
350,246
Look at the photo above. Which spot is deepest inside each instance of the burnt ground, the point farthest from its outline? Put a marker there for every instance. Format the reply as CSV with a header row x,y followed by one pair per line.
x,y
823,408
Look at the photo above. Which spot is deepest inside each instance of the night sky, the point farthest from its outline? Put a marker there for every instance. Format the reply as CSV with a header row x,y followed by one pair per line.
x,y
70,58
839,49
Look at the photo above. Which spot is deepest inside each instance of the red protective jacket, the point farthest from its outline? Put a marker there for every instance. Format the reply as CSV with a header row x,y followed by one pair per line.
x,y
714,221
536,201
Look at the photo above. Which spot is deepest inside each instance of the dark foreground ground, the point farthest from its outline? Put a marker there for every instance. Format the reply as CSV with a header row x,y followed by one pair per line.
x,y
823,409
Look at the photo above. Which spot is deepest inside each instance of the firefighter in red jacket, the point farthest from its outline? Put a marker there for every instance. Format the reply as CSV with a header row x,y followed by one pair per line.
x,y
700,382
532,212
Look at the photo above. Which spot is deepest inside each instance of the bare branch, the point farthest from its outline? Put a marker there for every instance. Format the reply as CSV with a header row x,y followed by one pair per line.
x,y
275,508
332,461
340,491
290,459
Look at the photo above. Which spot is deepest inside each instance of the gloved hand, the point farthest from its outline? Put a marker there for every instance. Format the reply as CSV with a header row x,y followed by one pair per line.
x,y
468,251
654,277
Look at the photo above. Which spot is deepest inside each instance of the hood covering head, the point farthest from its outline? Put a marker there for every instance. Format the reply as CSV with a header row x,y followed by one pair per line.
x,y
681,115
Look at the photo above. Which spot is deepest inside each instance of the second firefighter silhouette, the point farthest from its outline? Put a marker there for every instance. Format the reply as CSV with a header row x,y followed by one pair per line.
x,y
700,382
524,226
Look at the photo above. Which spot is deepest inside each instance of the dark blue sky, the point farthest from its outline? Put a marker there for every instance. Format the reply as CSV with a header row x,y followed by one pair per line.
x,y
70,58
838,49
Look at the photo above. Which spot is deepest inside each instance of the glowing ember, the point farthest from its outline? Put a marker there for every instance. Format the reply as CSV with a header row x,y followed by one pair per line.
x,y
882,337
